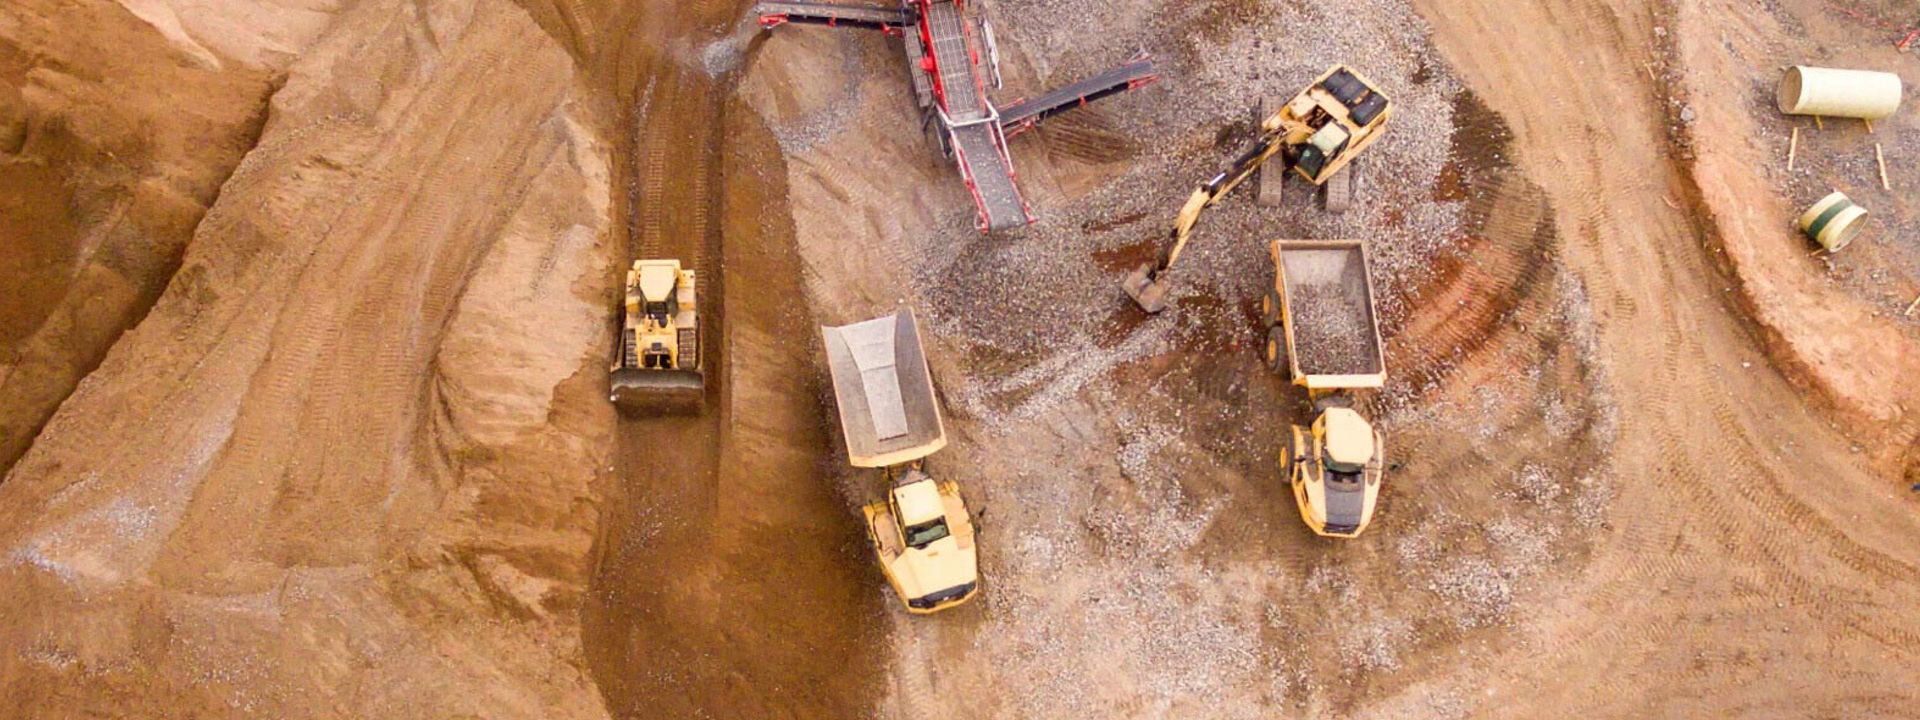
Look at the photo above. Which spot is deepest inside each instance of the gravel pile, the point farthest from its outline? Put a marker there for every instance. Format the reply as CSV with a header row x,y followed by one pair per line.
x,y
1063,273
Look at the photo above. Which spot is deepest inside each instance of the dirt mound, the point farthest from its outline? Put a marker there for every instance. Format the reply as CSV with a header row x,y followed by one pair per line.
x,y
113,143
345,467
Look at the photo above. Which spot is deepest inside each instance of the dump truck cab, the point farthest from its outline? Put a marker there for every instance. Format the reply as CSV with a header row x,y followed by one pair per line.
x,y
1324,335
657,361
1335,468
925,542
921,531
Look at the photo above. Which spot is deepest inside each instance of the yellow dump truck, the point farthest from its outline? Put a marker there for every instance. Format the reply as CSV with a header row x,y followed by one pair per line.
x,y
921,531
1323,334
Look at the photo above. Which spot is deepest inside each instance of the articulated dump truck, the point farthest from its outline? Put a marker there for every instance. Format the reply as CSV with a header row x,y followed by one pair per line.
x,y
1322,332
921,530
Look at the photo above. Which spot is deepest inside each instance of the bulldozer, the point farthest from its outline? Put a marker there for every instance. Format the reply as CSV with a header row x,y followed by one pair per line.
x,y
1323,334
921,531
657,361
1317,134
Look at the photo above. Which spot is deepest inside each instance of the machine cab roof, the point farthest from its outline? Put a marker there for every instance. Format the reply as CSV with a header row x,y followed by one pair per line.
x,y
1349,437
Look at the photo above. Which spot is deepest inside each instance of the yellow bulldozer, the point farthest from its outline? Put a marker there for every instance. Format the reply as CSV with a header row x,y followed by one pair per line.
x,y
921,531
657,361
1322,333
1317,134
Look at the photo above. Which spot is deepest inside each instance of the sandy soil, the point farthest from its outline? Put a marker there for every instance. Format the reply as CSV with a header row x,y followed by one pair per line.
x,y
1835,322
345,467
113,143
357,460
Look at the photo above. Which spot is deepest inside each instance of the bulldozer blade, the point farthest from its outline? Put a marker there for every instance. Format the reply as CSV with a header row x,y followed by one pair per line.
x,y
1149,293
637,391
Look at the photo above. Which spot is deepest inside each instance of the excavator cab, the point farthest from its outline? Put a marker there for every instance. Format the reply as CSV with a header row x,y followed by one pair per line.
x,y
1326,144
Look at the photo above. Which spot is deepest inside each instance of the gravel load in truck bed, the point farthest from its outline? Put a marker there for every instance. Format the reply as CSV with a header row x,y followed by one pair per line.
x,y
1332,332
1331,308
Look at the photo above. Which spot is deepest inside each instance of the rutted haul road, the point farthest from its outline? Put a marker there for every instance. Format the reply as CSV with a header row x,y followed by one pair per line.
x,y
357,461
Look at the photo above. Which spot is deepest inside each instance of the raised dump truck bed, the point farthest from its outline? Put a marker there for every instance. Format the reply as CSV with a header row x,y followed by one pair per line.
x,y
1326,310
888,411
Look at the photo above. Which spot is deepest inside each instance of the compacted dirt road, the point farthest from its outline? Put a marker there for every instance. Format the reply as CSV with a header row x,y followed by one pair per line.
x,y
358,461
730,580
1750,542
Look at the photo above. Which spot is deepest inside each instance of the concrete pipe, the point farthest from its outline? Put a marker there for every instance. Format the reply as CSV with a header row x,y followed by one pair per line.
x,y
1839,93
1833,221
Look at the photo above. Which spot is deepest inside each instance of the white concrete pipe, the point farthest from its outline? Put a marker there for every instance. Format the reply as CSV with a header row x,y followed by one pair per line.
x,y
1833,221
1839,93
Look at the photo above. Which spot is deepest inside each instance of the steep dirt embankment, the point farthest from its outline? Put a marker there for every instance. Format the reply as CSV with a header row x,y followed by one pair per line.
x,y
345,467
113,143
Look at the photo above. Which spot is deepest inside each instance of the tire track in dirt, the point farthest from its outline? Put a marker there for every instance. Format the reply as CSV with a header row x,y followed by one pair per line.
x,y
1705,506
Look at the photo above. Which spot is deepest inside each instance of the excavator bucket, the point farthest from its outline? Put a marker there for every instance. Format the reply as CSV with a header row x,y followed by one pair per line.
x,y
1149,293
642,391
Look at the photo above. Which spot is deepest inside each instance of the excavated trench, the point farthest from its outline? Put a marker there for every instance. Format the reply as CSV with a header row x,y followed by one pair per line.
x,y
729,580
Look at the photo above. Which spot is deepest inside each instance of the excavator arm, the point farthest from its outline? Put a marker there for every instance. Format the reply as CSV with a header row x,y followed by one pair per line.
x,y
1146,284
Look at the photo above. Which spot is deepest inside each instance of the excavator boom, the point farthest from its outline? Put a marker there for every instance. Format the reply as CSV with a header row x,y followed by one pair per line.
x,y
1145,284
1326,125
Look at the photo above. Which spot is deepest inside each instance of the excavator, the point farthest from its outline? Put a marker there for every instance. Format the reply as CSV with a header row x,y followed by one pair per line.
x,y
657,362
1317,134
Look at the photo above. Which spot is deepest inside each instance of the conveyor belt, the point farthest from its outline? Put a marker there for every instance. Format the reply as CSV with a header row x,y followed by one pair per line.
x,y
1023,114
825,13
983,163
953,61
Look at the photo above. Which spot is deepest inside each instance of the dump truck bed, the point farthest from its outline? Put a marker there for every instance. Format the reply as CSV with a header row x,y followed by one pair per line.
x,y
1332,331
884,391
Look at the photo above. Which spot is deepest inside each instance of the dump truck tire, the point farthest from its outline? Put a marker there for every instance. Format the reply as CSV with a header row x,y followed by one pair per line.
x,y
1270,308
1276,349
